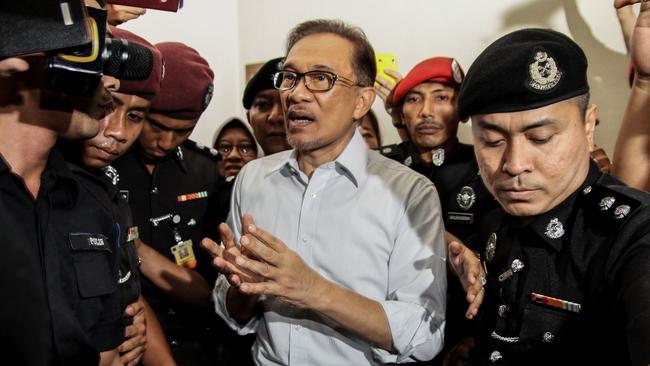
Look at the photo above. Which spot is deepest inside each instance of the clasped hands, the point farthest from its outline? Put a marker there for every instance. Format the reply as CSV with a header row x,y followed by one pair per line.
x,y
263,265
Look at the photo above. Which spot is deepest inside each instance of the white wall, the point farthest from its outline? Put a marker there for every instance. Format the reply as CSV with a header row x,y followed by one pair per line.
x,y
232,33
211,28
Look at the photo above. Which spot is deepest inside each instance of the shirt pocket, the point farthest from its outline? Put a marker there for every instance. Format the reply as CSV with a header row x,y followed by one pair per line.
x,y
546,325
92,260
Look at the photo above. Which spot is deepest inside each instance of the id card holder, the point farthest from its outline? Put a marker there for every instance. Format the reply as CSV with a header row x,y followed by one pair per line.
x,y
184,254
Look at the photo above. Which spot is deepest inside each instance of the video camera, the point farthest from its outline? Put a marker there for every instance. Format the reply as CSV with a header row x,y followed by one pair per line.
x,y
73,38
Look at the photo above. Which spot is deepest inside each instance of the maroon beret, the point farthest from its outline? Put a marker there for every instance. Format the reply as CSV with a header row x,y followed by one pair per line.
x,y
149,87
187,87
442,70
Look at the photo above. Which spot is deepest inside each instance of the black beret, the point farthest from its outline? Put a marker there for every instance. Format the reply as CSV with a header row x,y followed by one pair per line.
x,y
262,80
526,69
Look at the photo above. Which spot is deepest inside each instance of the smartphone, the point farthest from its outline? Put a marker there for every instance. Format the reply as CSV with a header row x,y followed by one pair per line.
x,y
386,61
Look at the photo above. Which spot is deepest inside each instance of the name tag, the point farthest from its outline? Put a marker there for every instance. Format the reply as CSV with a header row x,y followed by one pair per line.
x,y
460,217
85,241
184,254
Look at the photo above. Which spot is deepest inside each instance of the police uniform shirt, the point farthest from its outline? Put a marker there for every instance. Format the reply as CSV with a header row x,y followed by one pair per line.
x,y
463,197
103,187
572,286
184,183
75,240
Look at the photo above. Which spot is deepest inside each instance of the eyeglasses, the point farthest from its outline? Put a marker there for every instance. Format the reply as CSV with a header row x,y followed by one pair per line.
x,y
316,81
244,150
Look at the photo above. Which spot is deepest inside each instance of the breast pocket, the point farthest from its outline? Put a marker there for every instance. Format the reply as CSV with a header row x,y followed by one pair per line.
x,y
546,325
92,259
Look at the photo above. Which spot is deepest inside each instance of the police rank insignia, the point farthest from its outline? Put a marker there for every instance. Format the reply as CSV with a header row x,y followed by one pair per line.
x,y
438,157
112,174
621,211
179,153
554,229
544,74
491,247
466,197
606,203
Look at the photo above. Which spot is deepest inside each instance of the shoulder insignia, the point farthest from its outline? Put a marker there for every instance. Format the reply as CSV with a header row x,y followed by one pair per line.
x,y
201,149
610,203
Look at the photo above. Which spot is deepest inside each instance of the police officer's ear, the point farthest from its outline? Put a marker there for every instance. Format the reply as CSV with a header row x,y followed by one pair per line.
x,y
591,116
365,98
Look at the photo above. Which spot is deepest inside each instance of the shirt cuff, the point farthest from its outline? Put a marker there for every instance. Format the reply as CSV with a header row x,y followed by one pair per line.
x,y
417,333
219,295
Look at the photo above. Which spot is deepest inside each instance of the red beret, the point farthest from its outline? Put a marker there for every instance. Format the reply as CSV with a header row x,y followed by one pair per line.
x,y
187,87
149,87
442,70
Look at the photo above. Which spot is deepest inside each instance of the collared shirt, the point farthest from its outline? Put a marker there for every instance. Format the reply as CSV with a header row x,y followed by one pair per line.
x,y
364,222
580,293
75,241
184,183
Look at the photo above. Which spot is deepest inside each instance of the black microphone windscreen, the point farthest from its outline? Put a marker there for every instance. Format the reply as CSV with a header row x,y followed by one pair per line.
x,y
127,60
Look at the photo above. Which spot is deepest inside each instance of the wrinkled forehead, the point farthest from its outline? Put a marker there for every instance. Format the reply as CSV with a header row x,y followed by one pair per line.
x,y
322,51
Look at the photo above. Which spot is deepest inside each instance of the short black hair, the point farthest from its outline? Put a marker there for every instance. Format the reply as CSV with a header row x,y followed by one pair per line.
x,y
363,62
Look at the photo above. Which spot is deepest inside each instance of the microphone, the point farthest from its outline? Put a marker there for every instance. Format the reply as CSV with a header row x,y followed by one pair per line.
x,y
126,60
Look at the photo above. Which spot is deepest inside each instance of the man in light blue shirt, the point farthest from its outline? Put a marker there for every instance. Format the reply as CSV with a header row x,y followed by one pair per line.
x,y
341,254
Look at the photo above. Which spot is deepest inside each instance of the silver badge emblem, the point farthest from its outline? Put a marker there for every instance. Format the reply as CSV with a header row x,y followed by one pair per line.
x,y
587,190
543,72
408,161
179,153
621,211
491,247
192,222
455,71
466,197
438,157
554,229
606,203
112,174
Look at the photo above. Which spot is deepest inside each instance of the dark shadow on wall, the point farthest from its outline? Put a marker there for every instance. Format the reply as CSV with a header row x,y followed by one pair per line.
x,y
607,71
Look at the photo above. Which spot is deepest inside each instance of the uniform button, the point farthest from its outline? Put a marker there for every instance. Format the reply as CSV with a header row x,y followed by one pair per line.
x,y
495,356
171,312
503,309
304,239
174,343
154,190
313,195
296,328
548,337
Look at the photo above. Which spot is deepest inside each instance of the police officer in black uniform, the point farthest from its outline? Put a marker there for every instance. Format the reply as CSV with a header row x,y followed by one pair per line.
x,y
117,132
567,254
169,182
57,219
426,101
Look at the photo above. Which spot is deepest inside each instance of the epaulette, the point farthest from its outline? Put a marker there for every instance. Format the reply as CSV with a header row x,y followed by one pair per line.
x,y
612,203
202,149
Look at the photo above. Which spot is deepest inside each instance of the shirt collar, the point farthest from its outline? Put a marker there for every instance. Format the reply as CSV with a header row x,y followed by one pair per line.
x,y
550,226
352,160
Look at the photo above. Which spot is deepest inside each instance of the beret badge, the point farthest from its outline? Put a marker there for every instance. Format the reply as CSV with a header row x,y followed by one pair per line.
x,y
207,96
544,73
456,72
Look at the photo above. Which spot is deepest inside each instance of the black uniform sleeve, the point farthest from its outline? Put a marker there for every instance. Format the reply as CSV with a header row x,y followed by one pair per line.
x,y
634,282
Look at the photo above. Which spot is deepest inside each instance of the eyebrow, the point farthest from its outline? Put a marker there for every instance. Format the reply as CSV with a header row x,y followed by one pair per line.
x,y
313,67
537,124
